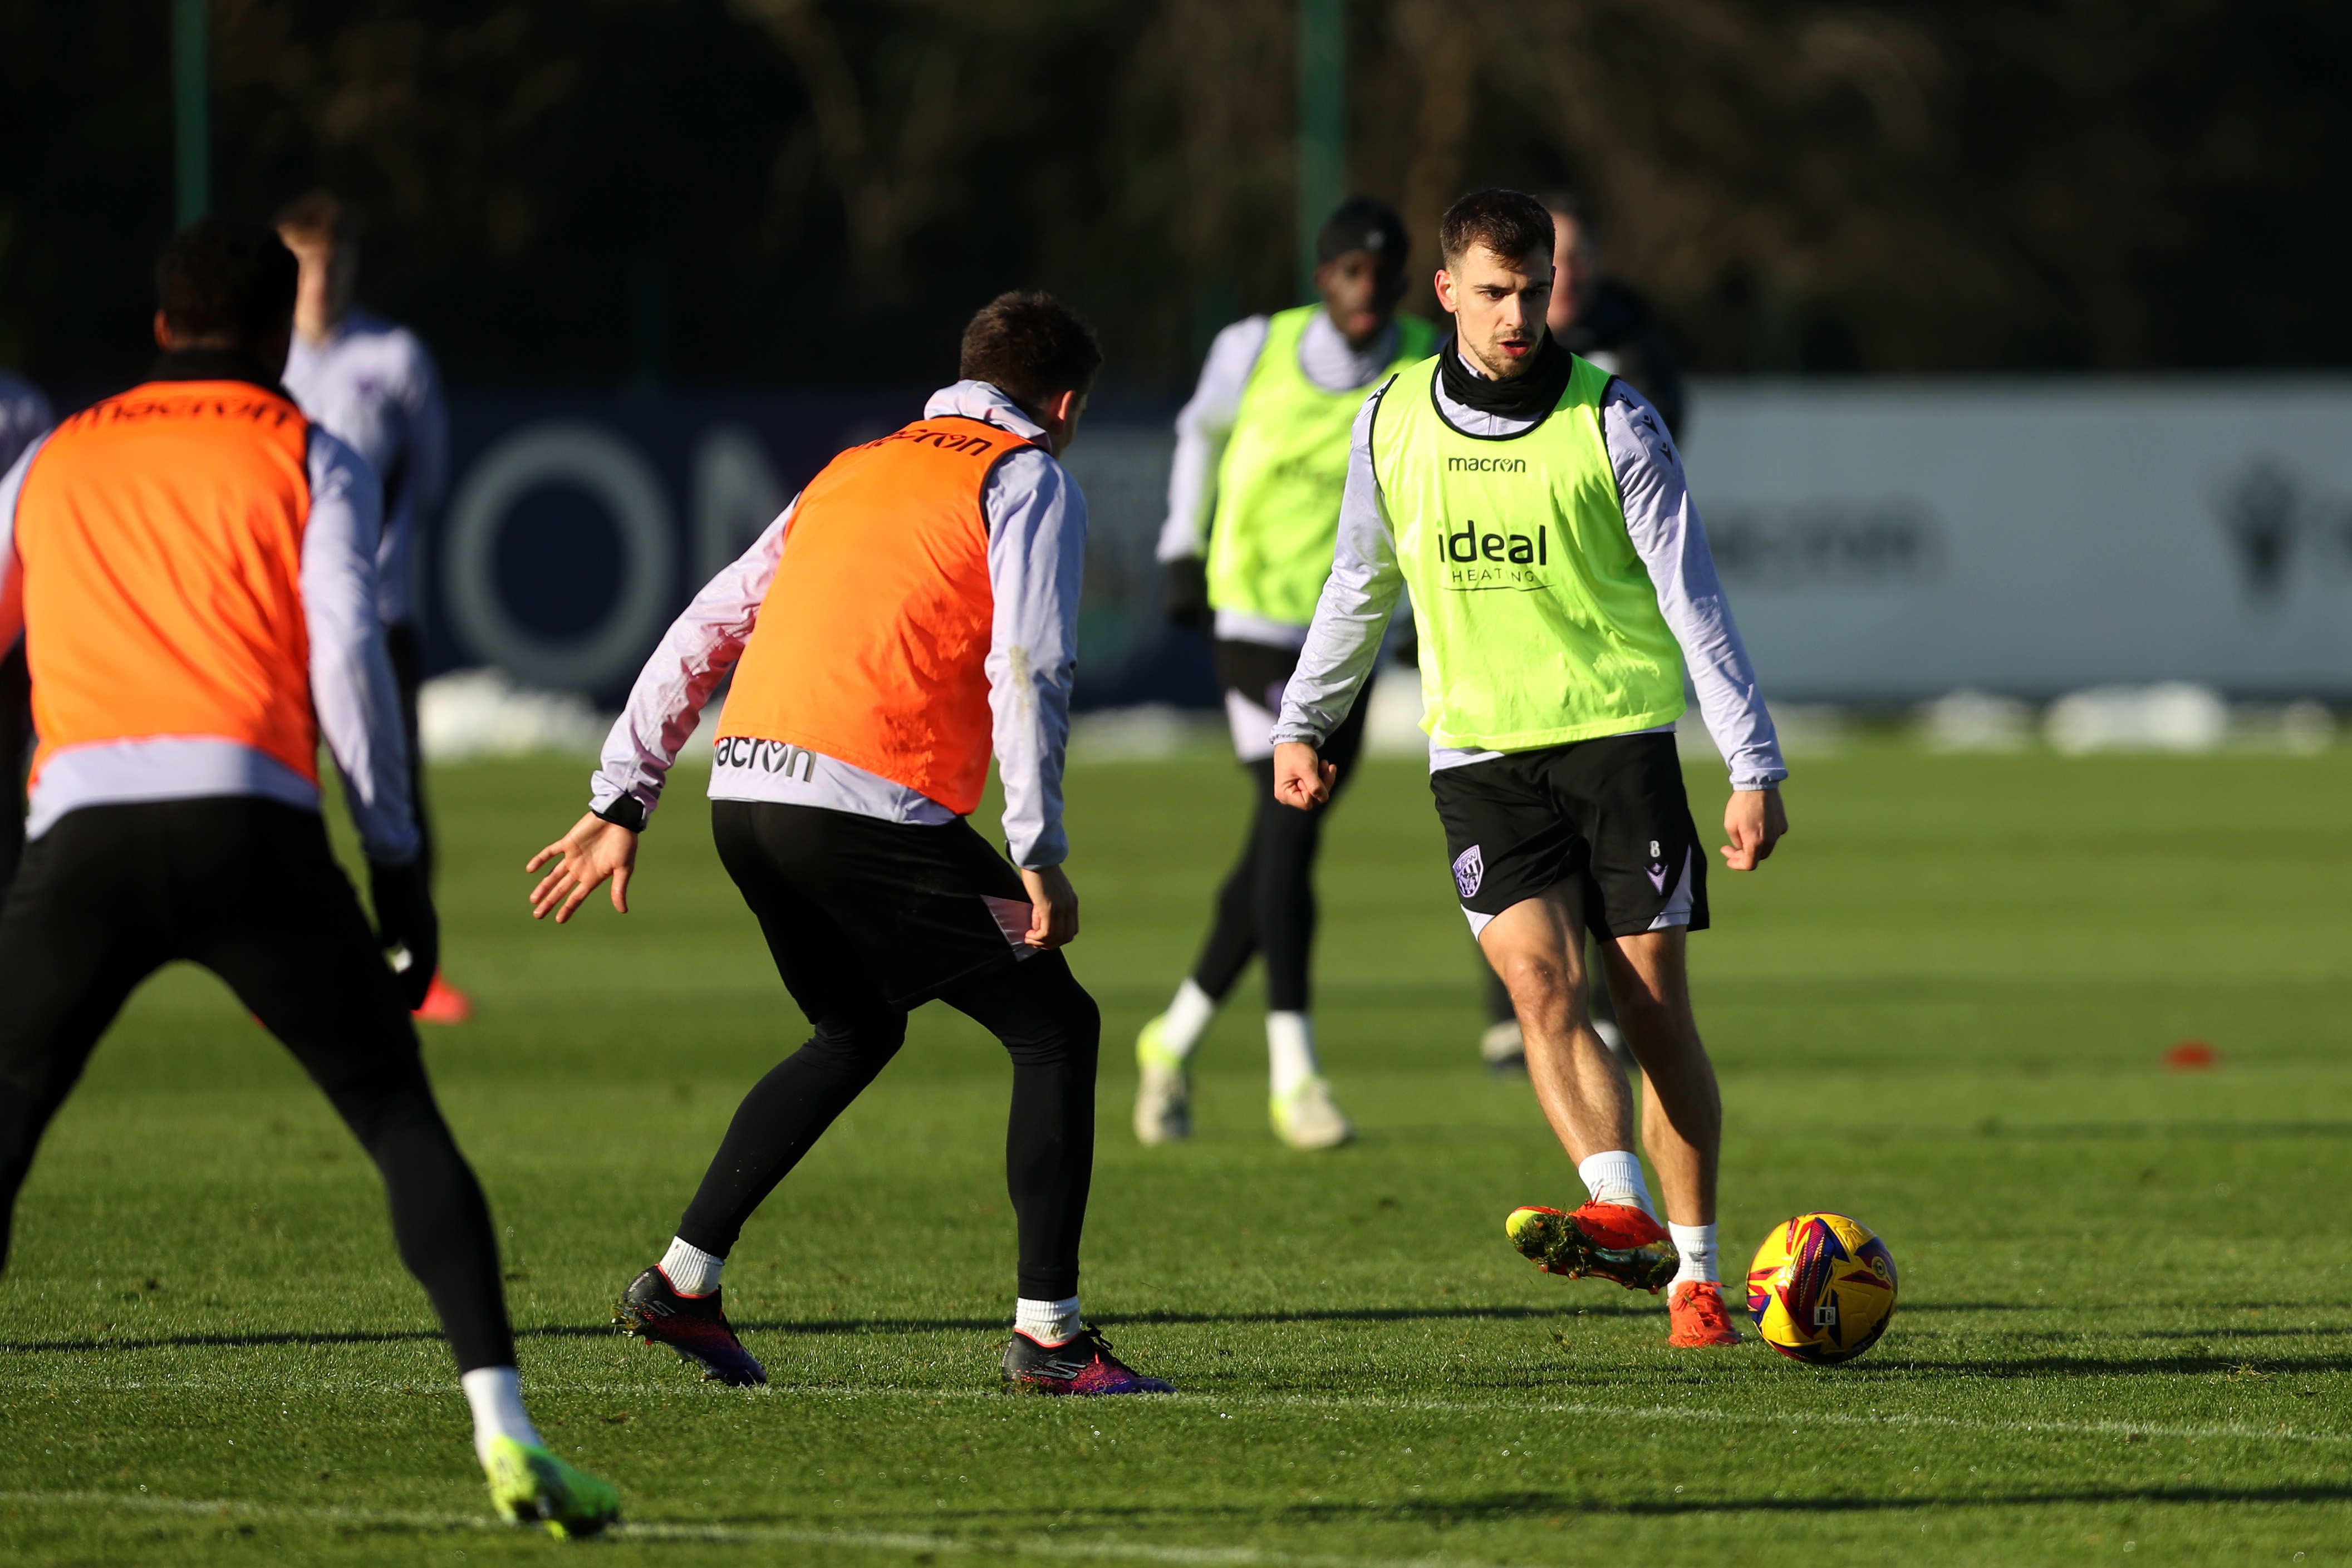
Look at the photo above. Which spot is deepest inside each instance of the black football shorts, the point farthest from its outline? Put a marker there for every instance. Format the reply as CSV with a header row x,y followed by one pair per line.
x,y
1609,814
899,909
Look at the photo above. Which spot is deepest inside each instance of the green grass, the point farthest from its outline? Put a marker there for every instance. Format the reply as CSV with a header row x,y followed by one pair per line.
x,y
2125,1325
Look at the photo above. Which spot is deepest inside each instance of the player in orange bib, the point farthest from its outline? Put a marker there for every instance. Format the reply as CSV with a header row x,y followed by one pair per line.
x,y
192,564
914,609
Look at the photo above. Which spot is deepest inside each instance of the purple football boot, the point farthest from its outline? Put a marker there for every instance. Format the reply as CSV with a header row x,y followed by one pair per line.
x,y
694,1326
1083,1364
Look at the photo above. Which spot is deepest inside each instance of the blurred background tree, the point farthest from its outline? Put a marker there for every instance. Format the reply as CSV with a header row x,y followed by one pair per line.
x,y
660,191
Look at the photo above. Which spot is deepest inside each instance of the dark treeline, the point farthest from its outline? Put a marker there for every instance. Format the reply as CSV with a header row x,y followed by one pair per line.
x,y
673,189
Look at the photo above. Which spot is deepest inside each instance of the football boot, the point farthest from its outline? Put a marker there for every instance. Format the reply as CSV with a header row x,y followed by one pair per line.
x,y
1308,1117
1163,1090
694,1326
531,1486
1083,1364
444,1003
1698,1317
1601,1240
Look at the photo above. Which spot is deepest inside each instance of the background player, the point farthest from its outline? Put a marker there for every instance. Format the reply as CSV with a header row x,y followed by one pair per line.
x,y
194,565
912,607
374,384
1537,511
24,415
1261,458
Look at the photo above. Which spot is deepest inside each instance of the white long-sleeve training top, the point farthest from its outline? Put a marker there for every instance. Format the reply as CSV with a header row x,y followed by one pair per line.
x,y
351,688
373,383
1344,641
1205,424
1036,561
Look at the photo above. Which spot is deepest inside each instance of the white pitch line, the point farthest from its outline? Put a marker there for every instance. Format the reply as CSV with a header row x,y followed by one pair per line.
x,y
744,1535
2021,1427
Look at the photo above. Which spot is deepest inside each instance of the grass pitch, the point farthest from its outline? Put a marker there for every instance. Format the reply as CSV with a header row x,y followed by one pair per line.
x,y
2124,1323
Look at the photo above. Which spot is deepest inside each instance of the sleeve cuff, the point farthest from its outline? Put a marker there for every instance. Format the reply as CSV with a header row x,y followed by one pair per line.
x,y
623,811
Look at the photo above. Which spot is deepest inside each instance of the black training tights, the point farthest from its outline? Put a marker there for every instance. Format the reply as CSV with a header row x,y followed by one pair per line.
x,y
247,888
1267,904
1053,1030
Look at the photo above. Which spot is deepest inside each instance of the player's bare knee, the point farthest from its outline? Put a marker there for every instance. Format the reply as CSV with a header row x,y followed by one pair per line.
x,y
1540,984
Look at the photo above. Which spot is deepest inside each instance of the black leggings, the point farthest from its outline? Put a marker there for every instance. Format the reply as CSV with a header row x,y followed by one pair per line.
x,y
1267,903
1036,1007
16,747
248,889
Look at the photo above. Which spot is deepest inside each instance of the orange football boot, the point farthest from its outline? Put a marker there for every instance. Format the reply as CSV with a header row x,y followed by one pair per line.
x,y
444,1003
1698,1315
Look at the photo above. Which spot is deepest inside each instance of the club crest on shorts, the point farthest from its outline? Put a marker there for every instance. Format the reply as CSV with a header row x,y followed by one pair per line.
x,y
1469,871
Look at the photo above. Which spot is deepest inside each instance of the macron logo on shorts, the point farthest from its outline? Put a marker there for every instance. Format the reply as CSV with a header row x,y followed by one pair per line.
x,y
1469,871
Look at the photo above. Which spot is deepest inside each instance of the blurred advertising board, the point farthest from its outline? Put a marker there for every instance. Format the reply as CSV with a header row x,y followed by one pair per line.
x,y
1882,542
577,526
1885,542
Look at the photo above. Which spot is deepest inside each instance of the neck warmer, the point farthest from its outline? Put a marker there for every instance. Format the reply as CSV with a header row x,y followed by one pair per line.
x,y
1531,395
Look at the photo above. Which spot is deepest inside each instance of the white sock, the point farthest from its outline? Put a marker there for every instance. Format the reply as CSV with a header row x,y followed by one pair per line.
x,y
690,1271
1047,1322
1696,1244
495,1395
1614,1175
1187,1018
1289,1051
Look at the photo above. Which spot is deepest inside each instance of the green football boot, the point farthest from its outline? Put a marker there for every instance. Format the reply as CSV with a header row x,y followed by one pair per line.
x,y
531,1486
1308,1118
1163,1090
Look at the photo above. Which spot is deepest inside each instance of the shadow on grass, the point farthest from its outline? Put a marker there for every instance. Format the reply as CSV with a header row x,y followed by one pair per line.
x,y
1005,1527
993,1325
1505,1505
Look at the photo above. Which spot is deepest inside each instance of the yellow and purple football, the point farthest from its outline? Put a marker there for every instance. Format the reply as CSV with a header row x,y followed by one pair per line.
x,y
1822,1288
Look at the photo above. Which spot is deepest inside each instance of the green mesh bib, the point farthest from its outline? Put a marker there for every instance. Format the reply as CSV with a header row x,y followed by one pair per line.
x,y
1538,623
1278,517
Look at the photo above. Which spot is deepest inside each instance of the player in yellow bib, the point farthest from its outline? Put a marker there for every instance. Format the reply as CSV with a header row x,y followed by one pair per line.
x,y
1535,506
1261,458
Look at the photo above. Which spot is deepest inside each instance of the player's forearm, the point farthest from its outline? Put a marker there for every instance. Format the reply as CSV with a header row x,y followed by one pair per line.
x,y
1202,426
695,654
1031,737
1670,538
1036,567
353,691
1343,642
1191,486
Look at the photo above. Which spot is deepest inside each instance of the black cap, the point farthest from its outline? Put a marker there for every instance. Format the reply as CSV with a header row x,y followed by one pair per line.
x,y
1363,223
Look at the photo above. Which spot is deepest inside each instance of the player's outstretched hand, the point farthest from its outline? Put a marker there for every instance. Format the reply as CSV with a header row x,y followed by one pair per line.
x,y
1052,908
592,851
1301,777
1754,820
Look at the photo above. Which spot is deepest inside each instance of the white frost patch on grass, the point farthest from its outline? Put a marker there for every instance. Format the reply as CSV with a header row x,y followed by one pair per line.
x,y
481,713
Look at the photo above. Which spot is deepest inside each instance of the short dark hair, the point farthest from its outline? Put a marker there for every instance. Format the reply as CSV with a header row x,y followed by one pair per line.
x,y
1031,347
316,216
1511,224
227,278
1364,222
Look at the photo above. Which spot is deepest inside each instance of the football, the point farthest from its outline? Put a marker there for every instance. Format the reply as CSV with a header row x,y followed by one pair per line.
x,y
1822,1288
